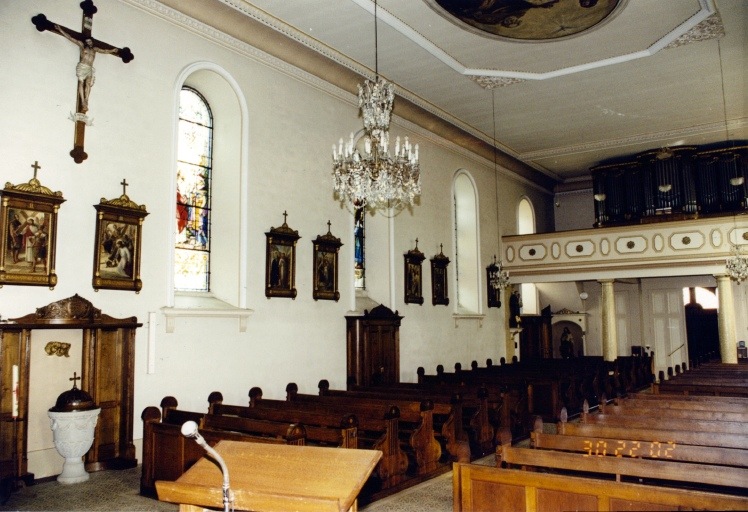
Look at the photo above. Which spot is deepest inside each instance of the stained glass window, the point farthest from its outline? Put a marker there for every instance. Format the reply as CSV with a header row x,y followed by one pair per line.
x,y
359,237
192,244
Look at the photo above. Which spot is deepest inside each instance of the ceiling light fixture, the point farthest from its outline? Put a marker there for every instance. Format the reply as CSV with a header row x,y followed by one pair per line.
x,y
498,278
364,172
736,265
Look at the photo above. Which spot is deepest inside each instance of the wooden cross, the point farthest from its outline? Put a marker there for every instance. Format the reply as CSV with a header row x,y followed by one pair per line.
x,y
74,378
329,225
84,69
285,215
124,184
36,167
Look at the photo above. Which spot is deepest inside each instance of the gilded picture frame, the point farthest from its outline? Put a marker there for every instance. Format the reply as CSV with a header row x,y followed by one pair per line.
x,y
325,266
28,216
439,287
117,247
414,276
280,261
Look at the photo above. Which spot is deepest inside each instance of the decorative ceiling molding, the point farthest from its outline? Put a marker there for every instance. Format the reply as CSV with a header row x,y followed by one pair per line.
x,y
706,9
249,50
651,138
492,82
710,28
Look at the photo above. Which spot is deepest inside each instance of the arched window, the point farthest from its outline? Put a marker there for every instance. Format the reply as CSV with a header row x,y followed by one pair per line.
x,y
211,282
359,252
466,243
194,168
526,226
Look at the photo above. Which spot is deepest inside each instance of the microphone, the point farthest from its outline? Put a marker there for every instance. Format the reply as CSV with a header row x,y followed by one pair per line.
x,y
189,429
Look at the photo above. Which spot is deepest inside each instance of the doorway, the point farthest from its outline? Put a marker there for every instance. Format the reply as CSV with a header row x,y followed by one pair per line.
x,y
702,329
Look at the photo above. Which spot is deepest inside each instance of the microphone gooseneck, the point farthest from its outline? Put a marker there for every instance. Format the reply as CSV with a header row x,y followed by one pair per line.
x,y
189,429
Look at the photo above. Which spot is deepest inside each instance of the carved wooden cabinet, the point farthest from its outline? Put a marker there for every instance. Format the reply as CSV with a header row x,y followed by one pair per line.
x,y
373,347
535,338
108,350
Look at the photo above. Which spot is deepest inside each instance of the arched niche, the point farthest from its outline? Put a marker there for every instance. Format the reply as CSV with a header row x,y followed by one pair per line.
x,y
576,322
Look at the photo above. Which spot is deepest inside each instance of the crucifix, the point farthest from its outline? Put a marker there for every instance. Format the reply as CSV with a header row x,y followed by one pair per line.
x,y
84,70
124,184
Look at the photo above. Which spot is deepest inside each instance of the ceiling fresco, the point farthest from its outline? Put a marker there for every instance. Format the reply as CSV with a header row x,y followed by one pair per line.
x,y
529,20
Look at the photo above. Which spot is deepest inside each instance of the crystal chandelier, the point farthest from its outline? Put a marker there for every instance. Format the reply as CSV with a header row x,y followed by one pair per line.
x,y
498,278
364,171
737,265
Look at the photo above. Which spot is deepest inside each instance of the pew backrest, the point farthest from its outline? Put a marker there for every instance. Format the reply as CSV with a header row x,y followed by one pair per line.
x,y
480,488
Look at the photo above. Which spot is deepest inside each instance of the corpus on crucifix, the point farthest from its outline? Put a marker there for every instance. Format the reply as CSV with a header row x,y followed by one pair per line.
x,y
84,70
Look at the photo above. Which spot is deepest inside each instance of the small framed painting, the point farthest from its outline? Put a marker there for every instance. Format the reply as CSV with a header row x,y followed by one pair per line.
x,y
29,223
280,261
439,264
325,278
119,225
413,276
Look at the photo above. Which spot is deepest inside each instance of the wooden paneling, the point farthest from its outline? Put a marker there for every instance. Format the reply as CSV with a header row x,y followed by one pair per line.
x,y
107,375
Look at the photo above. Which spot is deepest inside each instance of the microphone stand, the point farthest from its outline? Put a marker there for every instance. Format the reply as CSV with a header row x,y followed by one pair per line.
x,y
189,429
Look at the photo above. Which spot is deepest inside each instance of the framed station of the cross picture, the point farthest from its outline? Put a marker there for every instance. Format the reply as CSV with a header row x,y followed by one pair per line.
x,y
280,261
28,217
119,224
413,276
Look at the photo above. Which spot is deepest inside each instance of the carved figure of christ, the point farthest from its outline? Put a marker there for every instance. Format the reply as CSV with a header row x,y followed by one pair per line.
x,y
84,70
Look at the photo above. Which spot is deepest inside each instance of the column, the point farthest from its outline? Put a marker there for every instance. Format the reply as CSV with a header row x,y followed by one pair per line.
x,y
726,320
608,309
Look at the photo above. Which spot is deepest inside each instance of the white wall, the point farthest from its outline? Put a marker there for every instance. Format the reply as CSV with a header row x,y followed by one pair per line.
x,y
574,210
292,125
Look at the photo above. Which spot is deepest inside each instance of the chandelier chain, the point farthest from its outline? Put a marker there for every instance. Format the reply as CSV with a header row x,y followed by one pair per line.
x,y
364,172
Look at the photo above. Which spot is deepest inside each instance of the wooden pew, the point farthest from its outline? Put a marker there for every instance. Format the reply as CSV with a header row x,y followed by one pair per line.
x,y
662,434
648,422
481,488
444,416
167,454
545,395
416,420
323,429
705,386
624,408
485,410
687,402
638,446
377,429
710,379
655,470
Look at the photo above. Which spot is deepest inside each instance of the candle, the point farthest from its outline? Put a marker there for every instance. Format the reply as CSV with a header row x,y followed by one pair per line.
x,y
14,391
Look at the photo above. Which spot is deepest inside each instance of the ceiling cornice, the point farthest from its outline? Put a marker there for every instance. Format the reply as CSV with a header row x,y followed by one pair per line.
x,y
265,38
